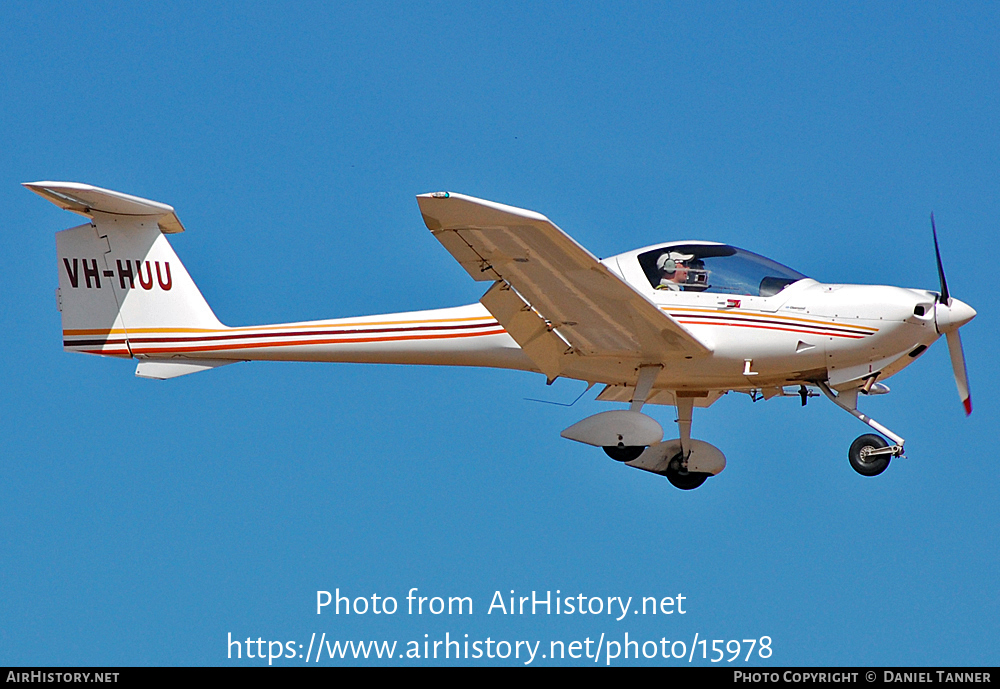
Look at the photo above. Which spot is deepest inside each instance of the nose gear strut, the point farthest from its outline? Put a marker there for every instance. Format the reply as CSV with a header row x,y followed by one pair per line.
x,y
869,454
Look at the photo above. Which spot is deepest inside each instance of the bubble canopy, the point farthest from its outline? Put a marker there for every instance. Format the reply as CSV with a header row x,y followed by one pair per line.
x,y
716,268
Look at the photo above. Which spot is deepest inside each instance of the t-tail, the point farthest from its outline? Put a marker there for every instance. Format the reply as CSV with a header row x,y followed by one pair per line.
x,y
124,293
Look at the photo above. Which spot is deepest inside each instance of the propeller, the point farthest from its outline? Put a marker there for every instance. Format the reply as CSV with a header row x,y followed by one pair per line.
x,y
944,297
949,315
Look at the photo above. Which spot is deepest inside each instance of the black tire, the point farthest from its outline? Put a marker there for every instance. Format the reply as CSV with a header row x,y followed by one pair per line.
x,y
625,453
858,454
688,480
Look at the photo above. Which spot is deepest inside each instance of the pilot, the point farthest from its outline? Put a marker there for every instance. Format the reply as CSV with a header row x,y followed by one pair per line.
x,y
673,267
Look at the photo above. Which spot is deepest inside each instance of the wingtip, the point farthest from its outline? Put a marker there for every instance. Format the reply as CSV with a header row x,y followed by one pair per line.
x,y
967,403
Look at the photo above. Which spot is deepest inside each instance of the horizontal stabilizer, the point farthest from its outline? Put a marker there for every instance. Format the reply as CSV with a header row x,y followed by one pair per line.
x,y
162,370
85,199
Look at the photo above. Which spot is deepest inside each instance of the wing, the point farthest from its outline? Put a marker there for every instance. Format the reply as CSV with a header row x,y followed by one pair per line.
x,y
552,295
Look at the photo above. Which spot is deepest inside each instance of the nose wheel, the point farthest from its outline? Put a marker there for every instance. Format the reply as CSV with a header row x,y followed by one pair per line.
x,y
869,454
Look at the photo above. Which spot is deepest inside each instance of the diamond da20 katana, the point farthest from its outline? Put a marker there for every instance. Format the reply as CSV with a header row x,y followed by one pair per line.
x,y
679,323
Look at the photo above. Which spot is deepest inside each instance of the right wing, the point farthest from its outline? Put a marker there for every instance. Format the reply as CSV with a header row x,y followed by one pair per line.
x,y
552,295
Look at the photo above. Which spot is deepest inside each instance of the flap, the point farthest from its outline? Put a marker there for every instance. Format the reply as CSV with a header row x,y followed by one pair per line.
x,y
626,393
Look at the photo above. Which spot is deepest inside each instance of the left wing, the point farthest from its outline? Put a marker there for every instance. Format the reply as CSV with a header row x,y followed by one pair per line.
x,y
552,295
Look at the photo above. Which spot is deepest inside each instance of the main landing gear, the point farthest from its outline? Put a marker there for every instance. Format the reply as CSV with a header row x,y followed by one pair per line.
x,y
684,469
624,453
679,476
635,439
686,463
678,470
870,454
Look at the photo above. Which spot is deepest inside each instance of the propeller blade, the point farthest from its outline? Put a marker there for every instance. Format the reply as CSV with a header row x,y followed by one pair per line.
x,y
958,366
945,296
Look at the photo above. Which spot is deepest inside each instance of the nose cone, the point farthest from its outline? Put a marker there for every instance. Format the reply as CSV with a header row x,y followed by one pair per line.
x,y
951,317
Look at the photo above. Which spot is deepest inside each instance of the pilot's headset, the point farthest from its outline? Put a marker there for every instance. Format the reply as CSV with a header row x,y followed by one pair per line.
x,y
667,262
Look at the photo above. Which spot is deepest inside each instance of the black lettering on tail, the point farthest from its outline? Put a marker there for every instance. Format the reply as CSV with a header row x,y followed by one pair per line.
x,y
73,273
91,272
125,272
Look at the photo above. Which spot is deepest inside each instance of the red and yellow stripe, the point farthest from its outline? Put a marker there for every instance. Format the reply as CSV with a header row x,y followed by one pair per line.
x,y
119,341
768,321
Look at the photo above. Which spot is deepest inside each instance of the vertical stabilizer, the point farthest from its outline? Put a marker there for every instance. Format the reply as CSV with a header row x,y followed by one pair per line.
x,y
119,278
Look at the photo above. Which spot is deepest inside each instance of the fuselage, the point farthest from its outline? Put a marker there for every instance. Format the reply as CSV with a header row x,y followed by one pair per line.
x,y
804,332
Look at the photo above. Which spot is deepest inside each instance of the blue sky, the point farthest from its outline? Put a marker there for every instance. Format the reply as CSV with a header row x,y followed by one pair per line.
x,y
142,522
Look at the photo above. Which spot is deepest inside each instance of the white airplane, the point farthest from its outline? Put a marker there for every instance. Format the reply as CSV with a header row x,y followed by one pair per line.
x,y
679,323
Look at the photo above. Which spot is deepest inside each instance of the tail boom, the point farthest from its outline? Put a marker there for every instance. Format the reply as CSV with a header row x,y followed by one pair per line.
x,y
459,336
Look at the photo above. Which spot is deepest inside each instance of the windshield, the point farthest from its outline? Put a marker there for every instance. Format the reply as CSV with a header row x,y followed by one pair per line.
x,y
715,268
